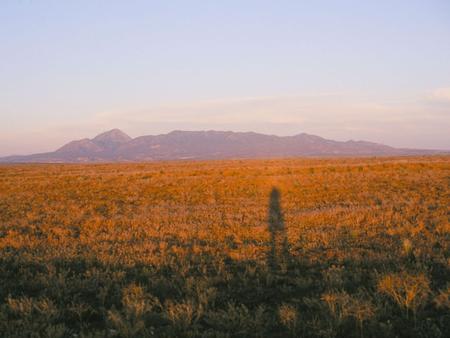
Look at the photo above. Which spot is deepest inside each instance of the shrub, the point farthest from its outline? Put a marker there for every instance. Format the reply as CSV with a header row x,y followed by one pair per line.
x,y
409,291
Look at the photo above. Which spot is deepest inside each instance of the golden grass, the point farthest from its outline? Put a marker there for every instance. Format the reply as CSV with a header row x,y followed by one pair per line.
x,y
189,248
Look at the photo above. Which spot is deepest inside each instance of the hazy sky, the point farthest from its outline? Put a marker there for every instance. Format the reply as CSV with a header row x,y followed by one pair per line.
x,y
373,70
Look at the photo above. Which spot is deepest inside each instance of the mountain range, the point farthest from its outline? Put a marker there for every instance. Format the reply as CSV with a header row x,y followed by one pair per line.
x,y
116,146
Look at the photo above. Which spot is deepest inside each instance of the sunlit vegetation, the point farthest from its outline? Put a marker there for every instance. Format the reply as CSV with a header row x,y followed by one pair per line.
x,y
269,248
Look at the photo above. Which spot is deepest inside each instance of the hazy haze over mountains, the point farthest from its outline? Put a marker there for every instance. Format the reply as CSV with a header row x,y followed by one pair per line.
x,y
116,146
363,70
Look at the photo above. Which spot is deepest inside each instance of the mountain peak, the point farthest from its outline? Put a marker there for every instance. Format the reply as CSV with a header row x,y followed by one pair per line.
x,y
111,138
112,135
115,145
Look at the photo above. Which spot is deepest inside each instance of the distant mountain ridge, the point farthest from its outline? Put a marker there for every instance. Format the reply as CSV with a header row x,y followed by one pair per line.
x,y
116,146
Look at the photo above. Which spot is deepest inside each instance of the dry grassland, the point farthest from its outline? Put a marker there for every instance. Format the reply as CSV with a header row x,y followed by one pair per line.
x,y
255,248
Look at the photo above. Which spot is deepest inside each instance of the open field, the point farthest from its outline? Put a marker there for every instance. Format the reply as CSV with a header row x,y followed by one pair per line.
x,y
257,248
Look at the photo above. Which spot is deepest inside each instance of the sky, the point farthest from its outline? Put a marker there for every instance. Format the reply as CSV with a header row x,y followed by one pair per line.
x,y
363,70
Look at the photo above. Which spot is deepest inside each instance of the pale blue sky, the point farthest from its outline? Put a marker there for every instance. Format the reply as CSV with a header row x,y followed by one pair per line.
x,y
373,70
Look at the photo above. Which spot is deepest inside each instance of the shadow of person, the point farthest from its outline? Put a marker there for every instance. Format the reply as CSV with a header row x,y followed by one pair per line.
x,y
278,255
